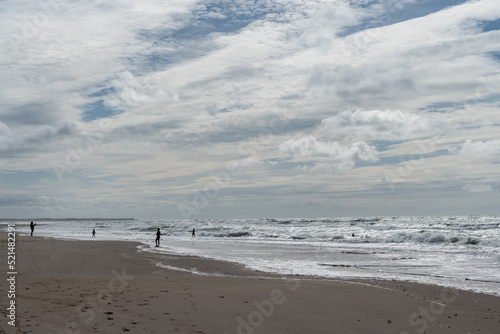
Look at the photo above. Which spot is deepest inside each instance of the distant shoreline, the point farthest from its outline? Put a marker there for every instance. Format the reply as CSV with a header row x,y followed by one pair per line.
x,y
62,219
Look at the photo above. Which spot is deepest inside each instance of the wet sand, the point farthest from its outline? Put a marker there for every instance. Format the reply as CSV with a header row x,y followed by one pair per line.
x,y
110,287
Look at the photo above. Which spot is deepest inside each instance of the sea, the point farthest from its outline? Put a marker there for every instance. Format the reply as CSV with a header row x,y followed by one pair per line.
x,y
451,251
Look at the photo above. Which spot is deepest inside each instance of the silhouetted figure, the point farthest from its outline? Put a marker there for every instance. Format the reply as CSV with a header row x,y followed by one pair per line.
x,y
193,233
157,241
93,233
353,235
32,226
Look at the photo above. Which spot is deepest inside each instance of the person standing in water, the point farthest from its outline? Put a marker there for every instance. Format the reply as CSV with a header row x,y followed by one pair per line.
x,y
157,241
93,233
32,226
193,233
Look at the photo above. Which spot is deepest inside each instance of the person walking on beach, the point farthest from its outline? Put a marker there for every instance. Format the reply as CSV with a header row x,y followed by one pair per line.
x,y
157,241
32,226
93,233
193,233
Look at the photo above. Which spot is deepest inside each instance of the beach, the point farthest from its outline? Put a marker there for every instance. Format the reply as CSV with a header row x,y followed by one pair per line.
x,y
99,286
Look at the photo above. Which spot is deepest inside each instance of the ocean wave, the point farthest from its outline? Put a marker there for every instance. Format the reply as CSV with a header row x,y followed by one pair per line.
x,y
233,235
285,222
144,229
364,220
433,237
472,241
420,237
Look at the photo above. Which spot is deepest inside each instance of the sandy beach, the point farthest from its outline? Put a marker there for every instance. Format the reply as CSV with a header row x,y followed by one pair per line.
x,y
110,287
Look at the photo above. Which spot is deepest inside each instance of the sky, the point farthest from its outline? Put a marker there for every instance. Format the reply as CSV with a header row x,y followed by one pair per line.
x,y
191,109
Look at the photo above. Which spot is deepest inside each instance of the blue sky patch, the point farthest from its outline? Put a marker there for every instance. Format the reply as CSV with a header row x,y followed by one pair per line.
x,y
490,25
234,107
96,110
103,92
396,159
395,14
441,107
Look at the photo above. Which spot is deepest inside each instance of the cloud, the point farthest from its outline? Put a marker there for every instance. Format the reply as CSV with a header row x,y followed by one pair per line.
x,y
72,48
383,125
33,113
477,188
193,84
250,129
21,199
47,133
333,155
5,136
244,163
33,138
409,64
483,149
327,22
373,81
130,91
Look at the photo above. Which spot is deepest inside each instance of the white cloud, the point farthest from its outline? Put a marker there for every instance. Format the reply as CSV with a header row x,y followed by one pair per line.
x,y
247,162
383,125
333,155
411,64
33,138
486,149
5,136
76,48
130,91
477,188
45,133
327,22
197,79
